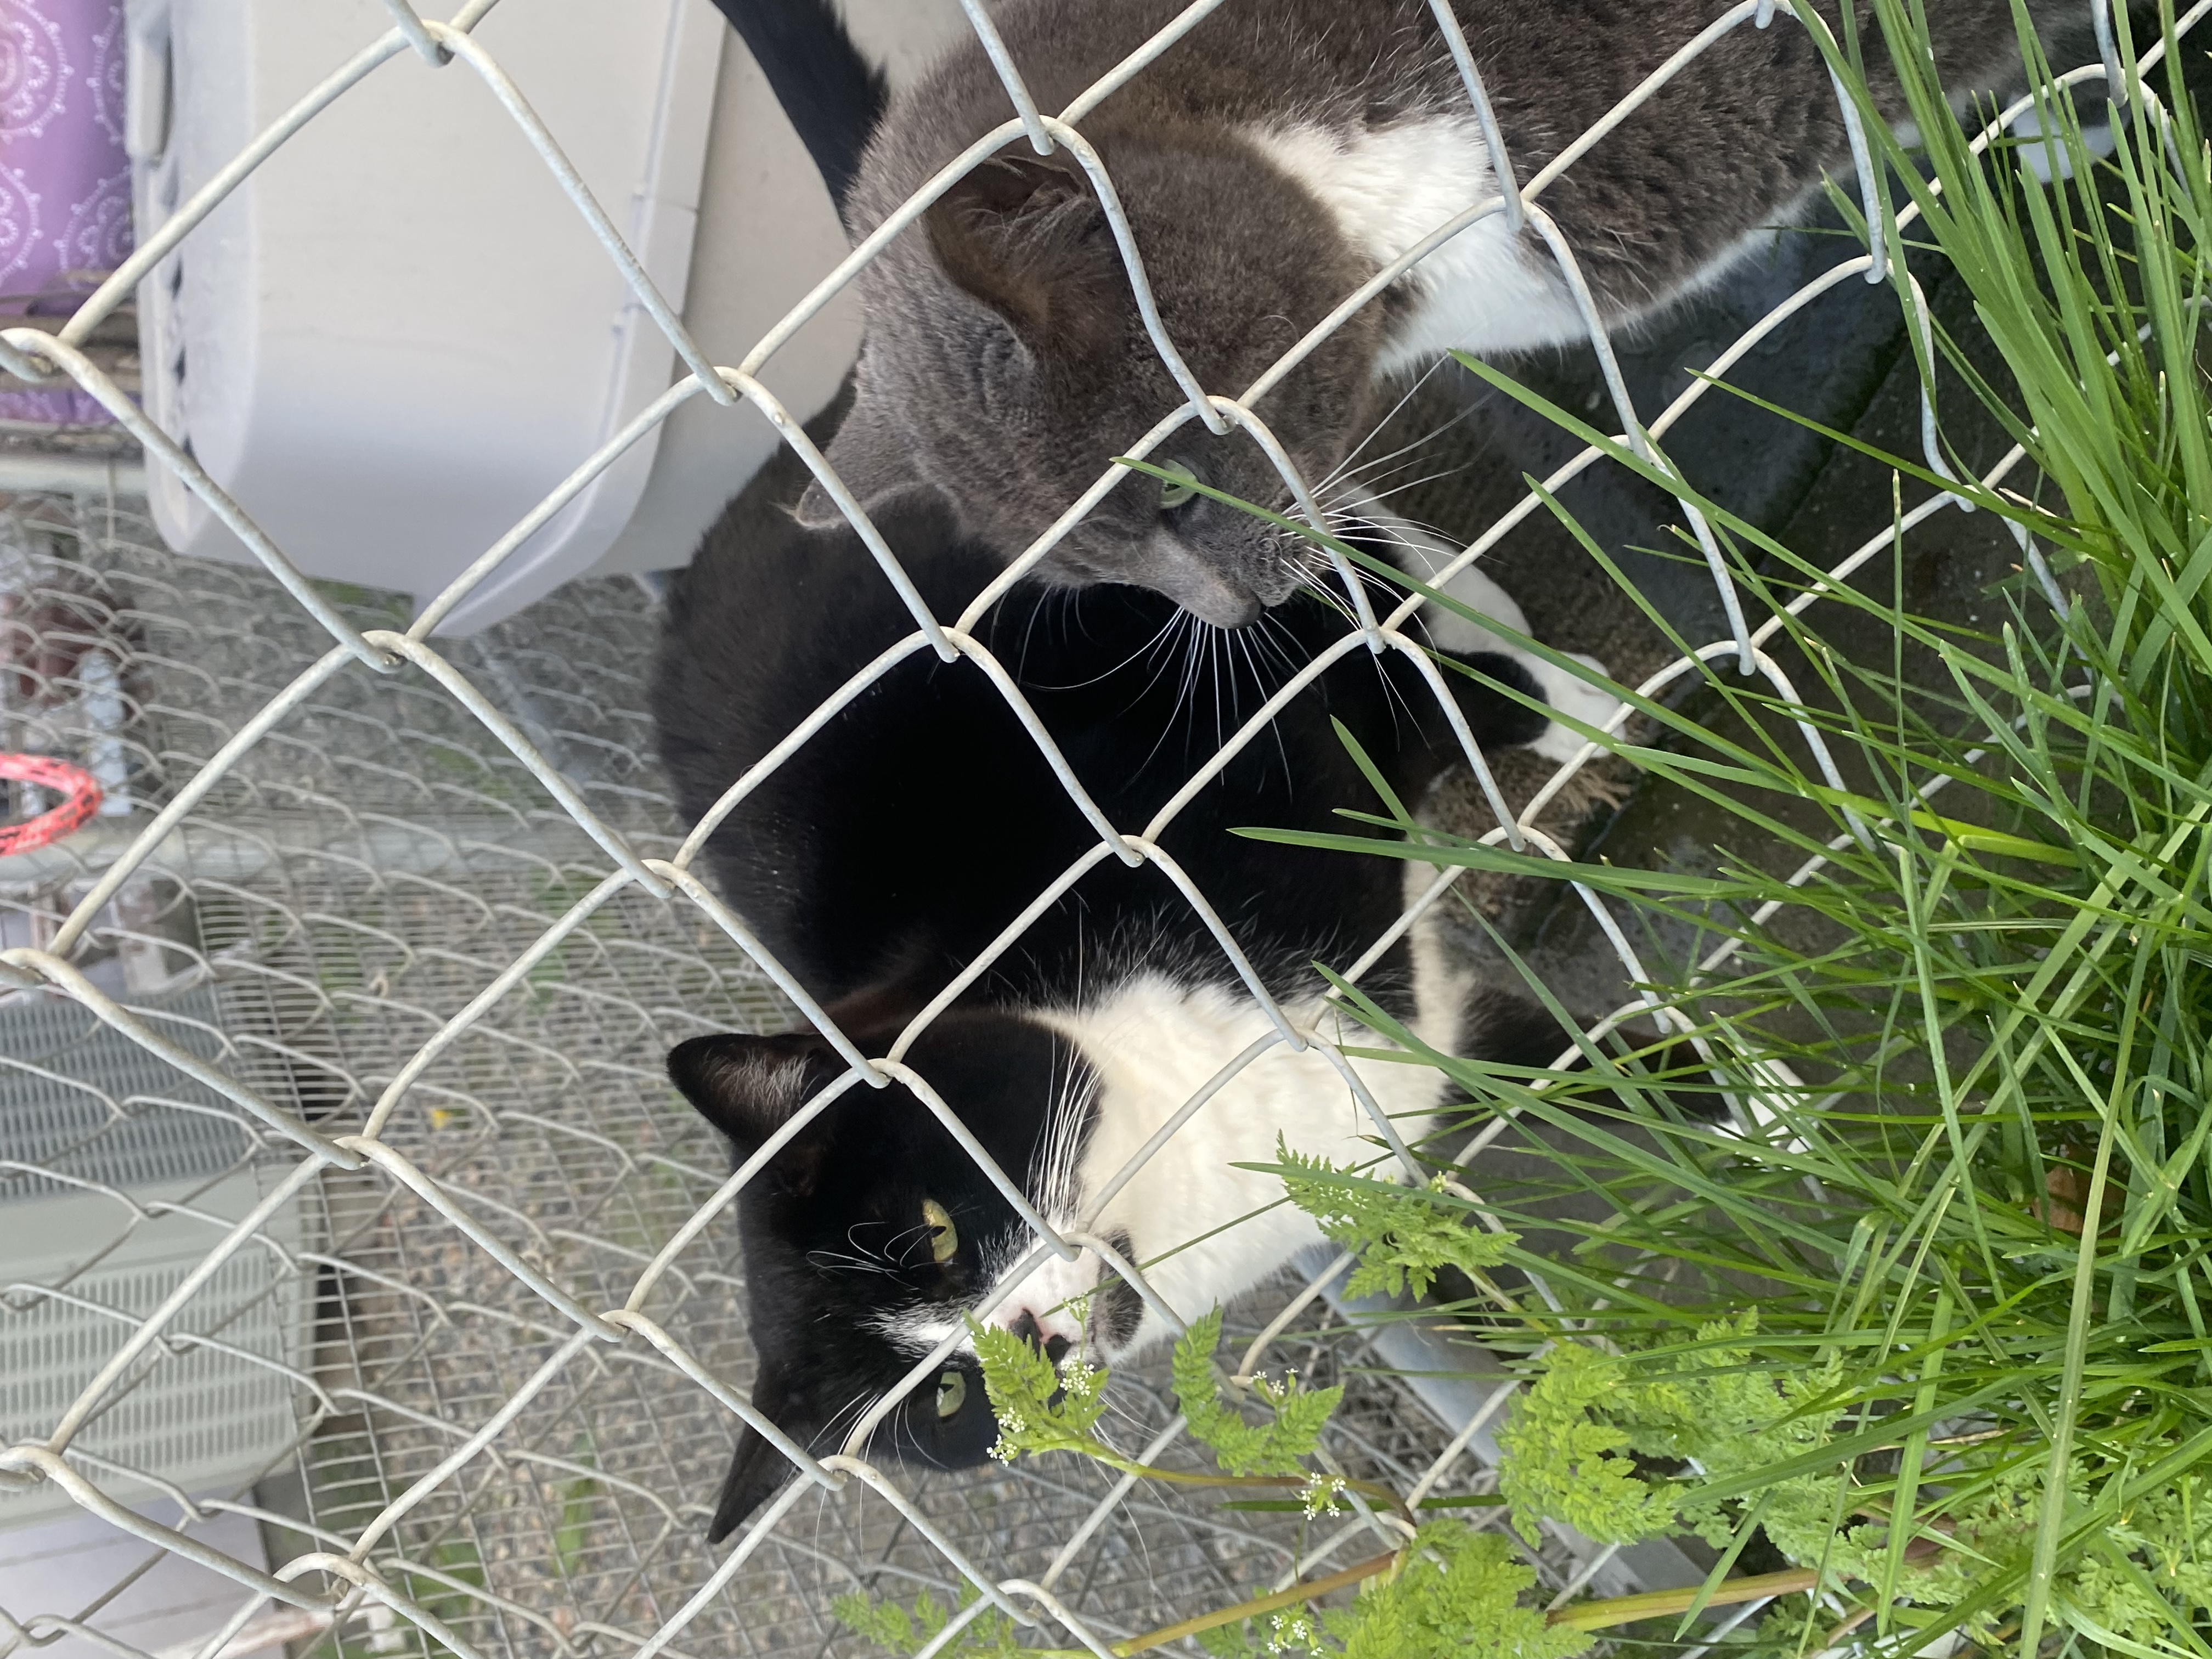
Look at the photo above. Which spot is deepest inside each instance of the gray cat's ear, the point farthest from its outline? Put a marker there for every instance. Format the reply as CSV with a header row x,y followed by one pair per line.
x,y
870,455
1025,234
748,1086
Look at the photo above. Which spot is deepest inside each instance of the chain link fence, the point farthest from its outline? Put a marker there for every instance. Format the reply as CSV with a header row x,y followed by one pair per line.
x,y
338,1169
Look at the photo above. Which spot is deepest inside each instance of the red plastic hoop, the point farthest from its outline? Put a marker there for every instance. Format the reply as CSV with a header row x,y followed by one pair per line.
x,y
80,790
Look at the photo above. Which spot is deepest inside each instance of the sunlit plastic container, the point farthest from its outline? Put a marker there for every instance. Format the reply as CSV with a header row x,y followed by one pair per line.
x,y
398,335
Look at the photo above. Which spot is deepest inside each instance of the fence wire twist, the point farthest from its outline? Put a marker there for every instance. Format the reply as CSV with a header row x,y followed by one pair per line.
x,y
316,785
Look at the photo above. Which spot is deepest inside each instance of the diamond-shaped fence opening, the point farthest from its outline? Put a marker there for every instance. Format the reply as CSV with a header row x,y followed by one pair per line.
x,y
341,1186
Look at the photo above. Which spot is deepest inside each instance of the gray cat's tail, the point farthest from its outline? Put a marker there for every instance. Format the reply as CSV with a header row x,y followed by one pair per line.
x,y
832,95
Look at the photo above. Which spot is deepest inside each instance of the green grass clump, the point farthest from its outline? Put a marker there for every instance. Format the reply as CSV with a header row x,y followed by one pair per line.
x,y
1957,1006
1960,1009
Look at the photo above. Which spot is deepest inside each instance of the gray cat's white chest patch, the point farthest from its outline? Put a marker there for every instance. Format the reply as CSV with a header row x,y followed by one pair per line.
x,y
1388,188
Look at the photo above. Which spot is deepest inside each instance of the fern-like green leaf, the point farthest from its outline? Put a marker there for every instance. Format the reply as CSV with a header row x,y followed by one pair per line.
x,y
1557,1463
1456,1596
1039,1409
886,1624
1236,1641
1402,1235
1242,1448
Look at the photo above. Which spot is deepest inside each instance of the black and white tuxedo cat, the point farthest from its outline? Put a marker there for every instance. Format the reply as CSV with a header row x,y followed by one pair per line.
x,y
907,834
886,854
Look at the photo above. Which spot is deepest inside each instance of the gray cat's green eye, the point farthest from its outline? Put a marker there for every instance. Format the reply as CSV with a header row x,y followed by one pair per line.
x,y
944,1238
951,1393
1179,488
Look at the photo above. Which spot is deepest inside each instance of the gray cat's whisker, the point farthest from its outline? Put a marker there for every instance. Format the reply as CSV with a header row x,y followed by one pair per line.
x,y
1248,649
1168,658
1375,493
1166,628
1382,530
1272,634
1398,460
1383,425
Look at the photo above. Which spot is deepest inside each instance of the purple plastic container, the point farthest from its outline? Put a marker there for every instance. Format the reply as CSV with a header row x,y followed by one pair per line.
x,y
64,180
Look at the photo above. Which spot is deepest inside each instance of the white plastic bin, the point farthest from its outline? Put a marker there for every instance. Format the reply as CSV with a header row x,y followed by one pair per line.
x,y
398,335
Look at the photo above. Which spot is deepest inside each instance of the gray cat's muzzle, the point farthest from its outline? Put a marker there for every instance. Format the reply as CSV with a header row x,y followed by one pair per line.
x,y
1197,583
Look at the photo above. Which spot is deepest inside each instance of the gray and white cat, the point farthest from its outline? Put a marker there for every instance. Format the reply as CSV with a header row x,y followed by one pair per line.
x,y
1270,162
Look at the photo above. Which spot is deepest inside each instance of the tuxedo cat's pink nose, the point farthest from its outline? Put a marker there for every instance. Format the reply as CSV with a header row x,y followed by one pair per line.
x,y
1026,1327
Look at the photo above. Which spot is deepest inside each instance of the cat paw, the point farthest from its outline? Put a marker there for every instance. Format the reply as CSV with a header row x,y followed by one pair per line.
x,y
1577,699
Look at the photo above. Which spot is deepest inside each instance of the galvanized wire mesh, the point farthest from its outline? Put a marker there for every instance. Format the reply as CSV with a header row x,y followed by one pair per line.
x,y
350,1016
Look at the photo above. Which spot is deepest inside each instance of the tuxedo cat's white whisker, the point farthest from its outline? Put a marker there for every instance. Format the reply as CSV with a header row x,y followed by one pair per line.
x,y
851,1411
1074,1093
896,1254
848,1263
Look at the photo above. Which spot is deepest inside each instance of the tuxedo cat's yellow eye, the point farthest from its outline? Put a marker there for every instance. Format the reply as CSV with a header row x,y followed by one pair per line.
x,y
944,1238
1179,488
951,1393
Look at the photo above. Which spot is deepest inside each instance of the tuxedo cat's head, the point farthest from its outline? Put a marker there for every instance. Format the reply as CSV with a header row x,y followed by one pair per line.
x,y
871,1233
1006,363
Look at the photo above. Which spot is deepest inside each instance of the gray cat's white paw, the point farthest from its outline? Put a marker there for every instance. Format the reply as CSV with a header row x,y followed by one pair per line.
x,y
1579,699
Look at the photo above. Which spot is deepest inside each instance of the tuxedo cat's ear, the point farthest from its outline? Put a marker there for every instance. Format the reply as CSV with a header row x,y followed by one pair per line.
x,y
871,455
758,1470
1024,233
748,1086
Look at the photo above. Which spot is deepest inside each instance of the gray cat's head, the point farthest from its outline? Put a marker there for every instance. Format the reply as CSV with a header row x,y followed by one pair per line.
x,y
1006,363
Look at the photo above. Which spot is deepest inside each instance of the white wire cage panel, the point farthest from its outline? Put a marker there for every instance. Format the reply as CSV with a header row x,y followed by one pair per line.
x,y
409,929
347,891
363,314
139,1172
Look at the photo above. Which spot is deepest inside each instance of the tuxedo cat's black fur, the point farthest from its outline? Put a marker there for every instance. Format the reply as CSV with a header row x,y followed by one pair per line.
x,y
897,843
901,840
832,95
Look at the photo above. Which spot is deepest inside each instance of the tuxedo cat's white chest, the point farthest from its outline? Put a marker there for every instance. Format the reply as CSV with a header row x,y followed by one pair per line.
x,y
1153,1044
1389,188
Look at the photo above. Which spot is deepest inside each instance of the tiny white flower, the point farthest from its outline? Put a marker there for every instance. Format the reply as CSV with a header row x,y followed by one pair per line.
x,y
1321,1494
